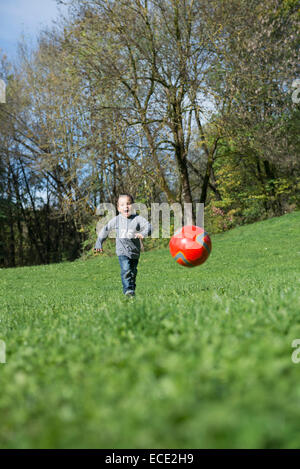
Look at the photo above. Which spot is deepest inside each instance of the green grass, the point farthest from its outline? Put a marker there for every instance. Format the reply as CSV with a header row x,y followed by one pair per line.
x,y
201,358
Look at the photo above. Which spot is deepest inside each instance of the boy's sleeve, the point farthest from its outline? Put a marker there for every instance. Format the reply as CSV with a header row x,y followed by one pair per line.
x,y
145,227
111,225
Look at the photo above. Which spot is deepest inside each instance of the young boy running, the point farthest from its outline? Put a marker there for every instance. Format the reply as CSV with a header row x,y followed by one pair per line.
x,y
130,229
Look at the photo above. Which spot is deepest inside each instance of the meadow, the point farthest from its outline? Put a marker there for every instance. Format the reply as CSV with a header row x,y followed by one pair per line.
x,y
200,359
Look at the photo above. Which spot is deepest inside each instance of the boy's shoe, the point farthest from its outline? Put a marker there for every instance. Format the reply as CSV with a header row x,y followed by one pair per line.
x,y
130,294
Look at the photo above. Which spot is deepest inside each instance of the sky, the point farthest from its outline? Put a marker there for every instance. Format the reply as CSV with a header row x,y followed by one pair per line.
x,y
26,17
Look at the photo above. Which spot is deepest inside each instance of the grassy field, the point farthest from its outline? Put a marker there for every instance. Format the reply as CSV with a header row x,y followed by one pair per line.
x,y
201,358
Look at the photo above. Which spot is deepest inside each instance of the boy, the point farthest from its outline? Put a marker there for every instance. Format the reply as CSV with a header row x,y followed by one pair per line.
x,y
130,229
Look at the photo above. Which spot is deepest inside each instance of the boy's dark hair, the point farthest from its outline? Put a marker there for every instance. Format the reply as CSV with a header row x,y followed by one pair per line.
x,y
126,195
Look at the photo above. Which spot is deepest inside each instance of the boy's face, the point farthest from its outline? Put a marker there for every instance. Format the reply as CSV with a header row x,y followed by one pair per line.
x,y
125,206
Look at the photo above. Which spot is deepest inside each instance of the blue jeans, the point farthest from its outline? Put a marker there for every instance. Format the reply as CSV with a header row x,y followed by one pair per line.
x,y
128,273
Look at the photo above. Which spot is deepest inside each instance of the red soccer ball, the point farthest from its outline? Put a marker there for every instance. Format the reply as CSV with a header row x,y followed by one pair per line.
x,y
190,246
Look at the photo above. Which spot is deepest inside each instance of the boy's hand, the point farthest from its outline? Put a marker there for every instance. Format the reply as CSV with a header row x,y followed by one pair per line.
x,y
139,235
98,250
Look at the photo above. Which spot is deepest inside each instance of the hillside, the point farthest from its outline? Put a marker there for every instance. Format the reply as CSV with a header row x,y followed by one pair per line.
x,y
201,358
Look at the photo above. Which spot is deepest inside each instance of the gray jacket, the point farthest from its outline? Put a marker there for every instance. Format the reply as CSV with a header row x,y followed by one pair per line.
x,y
126,228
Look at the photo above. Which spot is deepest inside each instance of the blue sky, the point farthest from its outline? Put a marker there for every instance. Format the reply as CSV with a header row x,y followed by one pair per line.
x,y
23,16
